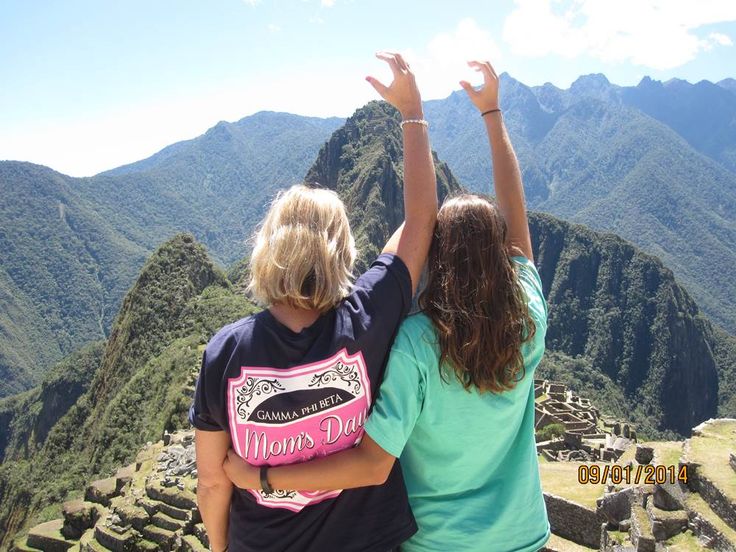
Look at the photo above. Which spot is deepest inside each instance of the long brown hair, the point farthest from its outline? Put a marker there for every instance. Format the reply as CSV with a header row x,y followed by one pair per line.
x,y
474,298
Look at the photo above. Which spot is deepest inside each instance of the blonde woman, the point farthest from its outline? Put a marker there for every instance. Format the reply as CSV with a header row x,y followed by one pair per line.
x,y
457,403
296,380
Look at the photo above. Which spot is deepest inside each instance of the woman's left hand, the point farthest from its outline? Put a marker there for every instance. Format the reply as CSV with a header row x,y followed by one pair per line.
x,y
240,472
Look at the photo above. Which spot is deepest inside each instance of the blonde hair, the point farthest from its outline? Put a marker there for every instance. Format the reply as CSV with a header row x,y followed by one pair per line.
x,y
304,251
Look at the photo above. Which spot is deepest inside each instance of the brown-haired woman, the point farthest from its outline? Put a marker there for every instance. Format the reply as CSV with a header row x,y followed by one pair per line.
x,y
457,403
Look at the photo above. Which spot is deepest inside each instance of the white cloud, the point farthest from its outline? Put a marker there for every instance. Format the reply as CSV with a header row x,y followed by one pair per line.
x,y
328,3
273,28
443,63
719,39
252,3
316,19
653,33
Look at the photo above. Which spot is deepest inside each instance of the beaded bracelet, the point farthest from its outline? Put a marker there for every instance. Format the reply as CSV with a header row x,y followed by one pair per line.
x,y
417,121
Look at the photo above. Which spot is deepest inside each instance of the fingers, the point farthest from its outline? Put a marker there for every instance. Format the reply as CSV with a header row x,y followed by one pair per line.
x,y
468,88
484,67
378,85
400,60
389,58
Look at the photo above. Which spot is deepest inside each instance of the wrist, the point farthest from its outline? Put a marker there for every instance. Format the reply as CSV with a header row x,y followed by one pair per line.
x,y
412,113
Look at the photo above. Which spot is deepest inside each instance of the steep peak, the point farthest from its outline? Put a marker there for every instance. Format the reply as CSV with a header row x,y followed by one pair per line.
x,y
648,82
595,80
677,83
595,85
177,271
362,162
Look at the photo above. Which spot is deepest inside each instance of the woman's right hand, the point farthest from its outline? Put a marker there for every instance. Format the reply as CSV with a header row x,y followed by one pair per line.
x,y
487,97
402,93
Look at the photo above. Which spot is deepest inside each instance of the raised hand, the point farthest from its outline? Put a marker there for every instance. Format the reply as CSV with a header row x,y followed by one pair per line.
x,y
487,97
402,93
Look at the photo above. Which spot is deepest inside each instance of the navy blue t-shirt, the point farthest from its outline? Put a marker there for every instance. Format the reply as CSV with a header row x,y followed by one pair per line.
x,y
288,396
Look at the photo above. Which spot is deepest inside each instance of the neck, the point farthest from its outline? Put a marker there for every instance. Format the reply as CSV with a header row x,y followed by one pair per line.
x,y
293,318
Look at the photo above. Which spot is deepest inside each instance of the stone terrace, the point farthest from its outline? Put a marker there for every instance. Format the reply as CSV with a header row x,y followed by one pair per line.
x,y
588,436
149,505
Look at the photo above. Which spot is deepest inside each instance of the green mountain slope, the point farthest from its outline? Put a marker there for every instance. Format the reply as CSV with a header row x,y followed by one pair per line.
x,y
117,399
64,268
590,158
73,246
363,163
217,185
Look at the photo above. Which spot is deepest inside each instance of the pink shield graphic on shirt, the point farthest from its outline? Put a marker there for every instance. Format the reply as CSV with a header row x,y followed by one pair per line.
x,y
283,416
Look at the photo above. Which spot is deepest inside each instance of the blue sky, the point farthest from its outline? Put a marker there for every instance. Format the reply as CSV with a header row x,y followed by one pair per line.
x,y
91,84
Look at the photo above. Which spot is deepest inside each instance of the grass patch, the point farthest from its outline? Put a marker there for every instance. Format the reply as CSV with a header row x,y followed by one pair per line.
x,y
561,479
693,501
711,450
556,542
684,542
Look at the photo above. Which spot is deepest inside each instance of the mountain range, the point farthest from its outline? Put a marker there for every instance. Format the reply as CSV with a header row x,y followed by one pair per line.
x,y
73,246
621,329
654,163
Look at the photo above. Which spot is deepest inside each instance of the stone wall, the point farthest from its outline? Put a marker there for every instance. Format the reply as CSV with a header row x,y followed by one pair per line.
x,y
573,521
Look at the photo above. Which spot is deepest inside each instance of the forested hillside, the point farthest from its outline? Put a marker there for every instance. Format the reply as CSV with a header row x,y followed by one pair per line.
x,y
97,407
632,161
72,246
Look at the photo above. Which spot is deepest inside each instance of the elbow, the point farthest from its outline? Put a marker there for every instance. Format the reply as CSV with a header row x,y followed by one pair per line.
x,y
213,483
380,471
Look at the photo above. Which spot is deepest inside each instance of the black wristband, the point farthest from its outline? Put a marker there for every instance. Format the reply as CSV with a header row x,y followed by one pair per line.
x,y
490,111
265,485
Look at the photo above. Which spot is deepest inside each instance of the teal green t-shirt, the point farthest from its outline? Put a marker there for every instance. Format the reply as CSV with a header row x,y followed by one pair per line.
x,y
469,459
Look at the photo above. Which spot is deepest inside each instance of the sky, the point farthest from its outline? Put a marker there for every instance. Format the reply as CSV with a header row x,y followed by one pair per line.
x,y
88,85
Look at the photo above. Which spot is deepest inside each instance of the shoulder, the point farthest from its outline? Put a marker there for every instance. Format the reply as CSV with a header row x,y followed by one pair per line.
x,y
227,338
531,282
417,325
416,338
386,264
384,288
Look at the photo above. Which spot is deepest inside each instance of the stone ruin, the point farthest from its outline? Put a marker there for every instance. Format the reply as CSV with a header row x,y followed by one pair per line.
x,y
149,505
588,436
693,513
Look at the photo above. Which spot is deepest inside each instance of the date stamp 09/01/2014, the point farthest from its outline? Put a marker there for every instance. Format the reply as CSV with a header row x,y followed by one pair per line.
x,y
648,474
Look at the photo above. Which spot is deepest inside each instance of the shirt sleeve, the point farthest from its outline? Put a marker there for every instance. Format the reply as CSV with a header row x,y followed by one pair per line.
x,y
384,290
400,399
532,282
207,411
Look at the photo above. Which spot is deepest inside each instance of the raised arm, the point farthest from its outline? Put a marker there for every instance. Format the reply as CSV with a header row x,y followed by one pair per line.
x,y
506,173
411,241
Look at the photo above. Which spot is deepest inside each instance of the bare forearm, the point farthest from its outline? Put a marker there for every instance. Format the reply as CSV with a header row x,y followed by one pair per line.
x,y
346,470
420,182
507,182
214,505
